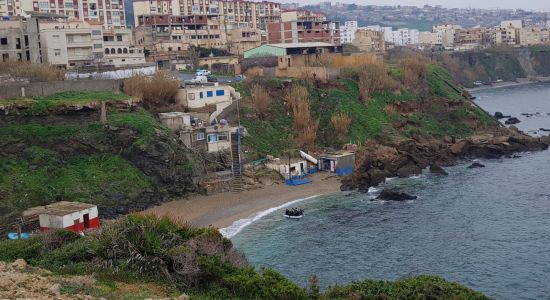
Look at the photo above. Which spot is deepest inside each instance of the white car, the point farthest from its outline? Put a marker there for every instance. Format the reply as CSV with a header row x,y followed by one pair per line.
x,y
202,73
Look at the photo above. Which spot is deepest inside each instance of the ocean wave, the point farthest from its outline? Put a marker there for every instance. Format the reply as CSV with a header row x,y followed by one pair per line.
x,y
239,225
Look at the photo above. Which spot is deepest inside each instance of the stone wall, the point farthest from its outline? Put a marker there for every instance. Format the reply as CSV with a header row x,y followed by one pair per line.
x,y
34,89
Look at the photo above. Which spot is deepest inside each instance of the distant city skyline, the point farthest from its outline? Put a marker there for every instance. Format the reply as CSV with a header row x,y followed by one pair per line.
x,y
539,5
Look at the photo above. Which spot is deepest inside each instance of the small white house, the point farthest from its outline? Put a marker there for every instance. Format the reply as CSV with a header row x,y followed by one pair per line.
x,y
175,120
296,167
73,216
201,96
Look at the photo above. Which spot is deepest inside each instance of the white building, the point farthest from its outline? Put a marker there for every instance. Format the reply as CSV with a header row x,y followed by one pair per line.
x,y
512,24
399,37
347,32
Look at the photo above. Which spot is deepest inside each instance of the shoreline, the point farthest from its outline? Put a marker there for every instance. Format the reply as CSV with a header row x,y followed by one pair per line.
x,y
519,82
231,212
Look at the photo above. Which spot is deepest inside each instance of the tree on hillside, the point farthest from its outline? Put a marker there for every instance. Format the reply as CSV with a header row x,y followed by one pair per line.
x,y
297,99
375,78
261,101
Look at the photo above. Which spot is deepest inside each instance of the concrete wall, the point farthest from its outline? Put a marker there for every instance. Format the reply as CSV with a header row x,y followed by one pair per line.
x,y
47,88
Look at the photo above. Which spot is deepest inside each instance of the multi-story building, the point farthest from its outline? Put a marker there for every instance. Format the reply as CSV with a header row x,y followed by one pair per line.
x,y
512,24
529,36
367,40
303,32
347,32
430,38
109,12
447,32
19,40
258,14
507,36
242,38
73,43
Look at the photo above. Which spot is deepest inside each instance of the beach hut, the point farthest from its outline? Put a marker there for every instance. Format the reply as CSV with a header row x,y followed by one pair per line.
x,y
73,216
341,163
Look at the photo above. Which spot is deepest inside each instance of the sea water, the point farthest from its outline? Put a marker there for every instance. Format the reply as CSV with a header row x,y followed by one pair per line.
x,y
486,228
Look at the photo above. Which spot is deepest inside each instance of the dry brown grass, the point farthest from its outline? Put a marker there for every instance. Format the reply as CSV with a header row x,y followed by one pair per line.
x,y
341,122
156,92
261,100
413,71
375,78
254,72
34,72
339,61
306,127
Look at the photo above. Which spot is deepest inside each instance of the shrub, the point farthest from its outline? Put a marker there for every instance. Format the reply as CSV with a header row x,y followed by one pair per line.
x,y
413,71
261,100
297,98
34,72
156,92
375,78
421,287
26,249
341,122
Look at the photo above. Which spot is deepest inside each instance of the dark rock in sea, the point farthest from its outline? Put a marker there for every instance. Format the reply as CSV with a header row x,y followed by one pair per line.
x,y
499,115
436,169
394,196
408,170
476,165
512,121
544,129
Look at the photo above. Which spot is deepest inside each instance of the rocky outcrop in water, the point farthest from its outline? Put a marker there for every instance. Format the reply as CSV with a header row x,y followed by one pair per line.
x,y
476,165
390,195
408,157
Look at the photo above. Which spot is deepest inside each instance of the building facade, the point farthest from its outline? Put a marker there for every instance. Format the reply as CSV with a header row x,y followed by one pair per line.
x,y
367,40
347,32
20,40
304,32
109,12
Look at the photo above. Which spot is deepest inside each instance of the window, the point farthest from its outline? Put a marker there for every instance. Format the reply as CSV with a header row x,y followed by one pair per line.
x,y
222,137
191,96
119,38
57,52
199,136
220,92
98,46
3,41
212,138
209,94
201,95
96,32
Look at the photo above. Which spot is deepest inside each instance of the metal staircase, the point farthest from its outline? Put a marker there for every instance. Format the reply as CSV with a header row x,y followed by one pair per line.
x,y
236,166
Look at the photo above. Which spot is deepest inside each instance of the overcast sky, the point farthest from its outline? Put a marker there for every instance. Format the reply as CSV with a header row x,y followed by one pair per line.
x,y
542,5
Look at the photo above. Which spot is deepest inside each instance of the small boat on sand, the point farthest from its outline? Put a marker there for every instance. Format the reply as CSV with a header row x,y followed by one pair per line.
x,y
294,213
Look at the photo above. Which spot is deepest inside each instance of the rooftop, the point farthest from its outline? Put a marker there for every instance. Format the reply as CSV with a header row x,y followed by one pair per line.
x,y
58,209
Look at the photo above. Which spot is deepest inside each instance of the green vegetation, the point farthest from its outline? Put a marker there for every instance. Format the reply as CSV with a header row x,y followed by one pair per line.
x,y
42,176
435,107
160,252
41,106
141,121
421,287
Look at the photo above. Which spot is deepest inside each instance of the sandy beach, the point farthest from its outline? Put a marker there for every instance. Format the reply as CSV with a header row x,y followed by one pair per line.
x,y
223,209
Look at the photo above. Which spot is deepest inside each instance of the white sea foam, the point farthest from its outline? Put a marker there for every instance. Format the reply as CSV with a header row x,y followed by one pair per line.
x,y
239,225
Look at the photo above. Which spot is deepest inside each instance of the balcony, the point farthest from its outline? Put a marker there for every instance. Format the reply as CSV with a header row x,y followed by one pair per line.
x,y
79,44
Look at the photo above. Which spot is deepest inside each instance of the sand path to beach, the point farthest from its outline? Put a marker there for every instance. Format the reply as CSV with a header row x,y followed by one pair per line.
x,y
221,210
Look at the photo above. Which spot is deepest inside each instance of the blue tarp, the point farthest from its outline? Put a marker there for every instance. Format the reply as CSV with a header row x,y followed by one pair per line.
x,y
297,181
344,171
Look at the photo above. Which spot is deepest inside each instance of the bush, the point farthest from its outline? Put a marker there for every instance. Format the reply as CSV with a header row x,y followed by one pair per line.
x,y
421,287
297,98
156,92
413,72
341,122
27,249
375,78
34,72
261,101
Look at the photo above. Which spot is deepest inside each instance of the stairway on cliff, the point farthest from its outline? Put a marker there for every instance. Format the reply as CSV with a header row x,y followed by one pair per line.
x,y
236,165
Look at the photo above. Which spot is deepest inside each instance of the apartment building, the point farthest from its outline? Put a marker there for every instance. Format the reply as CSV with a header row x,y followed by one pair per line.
x,y
109,12
19,40
304,32
347,32
258,14
447,32
430,38
75,44
242,38
367,40
529,36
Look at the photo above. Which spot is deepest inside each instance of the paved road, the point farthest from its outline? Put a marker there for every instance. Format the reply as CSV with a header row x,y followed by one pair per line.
x,y
189,76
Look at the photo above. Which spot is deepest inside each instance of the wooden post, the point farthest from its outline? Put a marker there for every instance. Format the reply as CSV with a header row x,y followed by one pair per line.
x,y
103,116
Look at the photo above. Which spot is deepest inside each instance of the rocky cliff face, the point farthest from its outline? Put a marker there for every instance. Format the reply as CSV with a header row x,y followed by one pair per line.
x,y
408,157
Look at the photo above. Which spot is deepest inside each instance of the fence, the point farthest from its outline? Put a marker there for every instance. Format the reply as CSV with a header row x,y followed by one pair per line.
x,y
34,89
